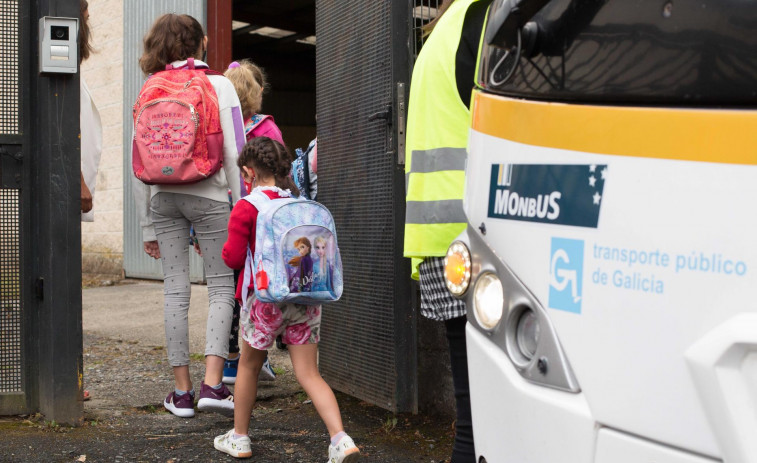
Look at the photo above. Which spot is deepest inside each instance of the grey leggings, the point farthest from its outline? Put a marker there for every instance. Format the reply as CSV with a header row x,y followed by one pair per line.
x,y
172,215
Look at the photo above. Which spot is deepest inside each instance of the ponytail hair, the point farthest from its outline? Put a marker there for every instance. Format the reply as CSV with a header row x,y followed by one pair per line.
x,y
270,157
250,82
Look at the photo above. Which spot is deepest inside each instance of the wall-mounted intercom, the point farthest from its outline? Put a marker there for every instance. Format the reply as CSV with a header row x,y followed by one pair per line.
x,y
58,50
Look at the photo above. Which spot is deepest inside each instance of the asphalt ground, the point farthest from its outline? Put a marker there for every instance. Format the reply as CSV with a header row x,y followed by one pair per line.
x,y
128,376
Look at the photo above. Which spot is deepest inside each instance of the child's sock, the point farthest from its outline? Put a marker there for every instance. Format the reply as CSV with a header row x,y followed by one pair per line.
x,y
178,392
239,436
337,437
217,387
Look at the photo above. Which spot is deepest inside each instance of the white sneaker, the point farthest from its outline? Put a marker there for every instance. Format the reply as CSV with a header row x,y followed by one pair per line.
x,y
345,451
236,447
267,373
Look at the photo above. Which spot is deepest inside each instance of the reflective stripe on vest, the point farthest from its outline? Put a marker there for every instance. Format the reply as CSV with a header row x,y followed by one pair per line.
x,y
437,135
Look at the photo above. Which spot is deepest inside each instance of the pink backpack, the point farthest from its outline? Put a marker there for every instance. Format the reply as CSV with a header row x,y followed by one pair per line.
x,y
177,127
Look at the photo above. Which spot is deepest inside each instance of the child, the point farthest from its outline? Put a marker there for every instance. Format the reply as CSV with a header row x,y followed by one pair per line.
x,y
265,162
167,211
250,83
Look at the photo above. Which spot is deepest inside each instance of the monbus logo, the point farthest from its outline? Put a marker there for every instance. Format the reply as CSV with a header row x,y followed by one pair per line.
x,y
547,193
566,268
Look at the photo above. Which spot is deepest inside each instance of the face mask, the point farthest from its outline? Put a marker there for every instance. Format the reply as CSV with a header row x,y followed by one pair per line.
x,y
205,55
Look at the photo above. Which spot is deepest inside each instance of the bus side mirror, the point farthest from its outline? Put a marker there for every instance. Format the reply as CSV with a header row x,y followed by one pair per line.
x,y
506,20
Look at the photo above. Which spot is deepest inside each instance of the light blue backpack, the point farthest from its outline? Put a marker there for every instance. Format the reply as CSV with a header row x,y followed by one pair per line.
x,y
296,253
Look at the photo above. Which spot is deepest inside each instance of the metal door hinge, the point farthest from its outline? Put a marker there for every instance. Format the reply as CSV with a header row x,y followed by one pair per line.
x,y
39,288
17,155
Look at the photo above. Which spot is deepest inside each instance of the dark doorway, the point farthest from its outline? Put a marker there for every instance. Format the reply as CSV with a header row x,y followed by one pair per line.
x,y
279,36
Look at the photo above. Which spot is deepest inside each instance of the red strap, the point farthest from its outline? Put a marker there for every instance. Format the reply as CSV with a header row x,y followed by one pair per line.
x,y
191,63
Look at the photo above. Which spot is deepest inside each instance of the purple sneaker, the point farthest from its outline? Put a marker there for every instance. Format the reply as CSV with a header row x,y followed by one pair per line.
x,y
219,401
182,405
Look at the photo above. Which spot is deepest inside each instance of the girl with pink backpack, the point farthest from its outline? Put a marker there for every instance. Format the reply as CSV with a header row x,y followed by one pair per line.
x,y
188,131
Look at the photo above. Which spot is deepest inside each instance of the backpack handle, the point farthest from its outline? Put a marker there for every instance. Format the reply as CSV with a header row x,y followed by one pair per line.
x,y
190,65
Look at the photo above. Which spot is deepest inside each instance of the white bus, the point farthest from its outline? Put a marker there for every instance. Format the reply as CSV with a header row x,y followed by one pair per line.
x,y
610,262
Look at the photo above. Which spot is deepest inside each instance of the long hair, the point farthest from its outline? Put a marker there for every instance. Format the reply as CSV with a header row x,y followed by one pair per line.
x,y
250,82
173,37
439,12
270,157
85,33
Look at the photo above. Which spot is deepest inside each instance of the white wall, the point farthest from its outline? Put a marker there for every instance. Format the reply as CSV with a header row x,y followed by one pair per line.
x,y
102,240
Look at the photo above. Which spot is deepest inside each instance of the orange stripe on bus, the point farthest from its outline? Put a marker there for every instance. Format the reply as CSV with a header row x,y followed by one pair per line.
x,y
722,136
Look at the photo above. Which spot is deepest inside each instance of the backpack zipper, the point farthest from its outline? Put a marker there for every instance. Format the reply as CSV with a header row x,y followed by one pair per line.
x,y
191,108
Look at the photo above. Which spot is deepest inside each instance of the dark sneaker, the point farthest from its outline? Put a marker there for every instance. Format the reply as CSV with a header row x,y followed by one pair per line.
x,y
219,401
230,371
181,405
267,373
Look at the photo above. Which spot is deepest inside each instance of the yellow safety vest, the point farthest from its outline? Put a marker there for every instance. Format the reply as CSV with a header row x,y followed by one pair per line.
x,y
438,122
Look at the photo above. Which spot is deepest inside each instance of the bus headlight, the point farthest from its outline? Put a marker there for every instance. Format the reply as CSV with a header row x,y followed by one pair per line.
x,y
457,265
488,300
527,332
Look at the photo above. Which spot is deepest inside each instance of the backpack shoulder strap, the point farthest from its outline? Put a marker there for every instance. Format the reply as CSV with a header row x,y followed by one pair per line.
x,y
255,121
260,200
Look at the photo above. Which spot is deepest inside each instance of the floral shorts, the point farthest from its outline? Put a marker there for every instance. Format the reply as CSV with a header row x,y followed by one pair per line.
x,y
263,322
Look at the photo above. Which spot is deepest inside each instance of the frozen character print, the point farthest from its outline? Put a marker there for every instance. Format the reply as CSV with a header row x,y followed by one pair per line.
x,y
322,269
302,279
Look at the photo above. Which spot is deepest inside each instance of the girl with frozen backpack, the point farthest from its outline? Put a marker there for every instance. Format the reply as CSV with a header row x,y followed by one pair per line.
x,y
249,81
265,162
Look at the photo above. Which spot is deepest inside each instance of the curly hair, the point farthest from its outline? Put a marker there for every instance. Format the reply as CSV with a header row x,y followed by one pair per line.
x,y
173,37
85,33
250,83
269,156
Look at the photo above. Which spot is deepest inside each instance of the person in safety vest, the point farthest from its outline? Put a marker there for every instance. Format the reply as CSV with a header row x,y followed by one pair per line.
x,y
437,136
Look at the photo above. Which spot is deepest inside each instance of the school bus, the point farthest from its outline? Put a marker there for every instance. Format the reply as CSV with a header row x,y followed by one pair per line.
x,y
610,260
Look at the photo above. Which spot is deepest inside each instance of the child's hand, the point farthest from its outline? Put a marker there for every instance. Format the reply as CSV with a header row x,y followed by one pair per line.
x,y
86,196
152,249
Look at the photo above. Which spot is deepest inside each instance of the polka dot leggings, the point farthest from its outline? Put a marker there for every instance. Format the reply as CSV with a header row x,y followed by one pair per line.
x,y
172,215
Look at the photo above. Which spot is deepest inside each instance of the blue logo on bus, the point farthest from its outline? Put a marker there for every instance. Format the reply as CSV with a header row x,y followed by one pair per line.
x,y
566,268
558,194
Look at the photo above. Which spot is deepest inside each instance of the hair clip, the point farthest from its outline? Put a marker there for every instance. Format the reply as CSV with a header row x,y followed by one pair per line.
x,y
234,64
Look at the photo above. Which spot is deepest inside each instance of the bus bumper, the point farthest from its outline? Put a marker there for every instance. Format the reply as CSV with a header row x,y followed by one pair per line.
x,y
515,421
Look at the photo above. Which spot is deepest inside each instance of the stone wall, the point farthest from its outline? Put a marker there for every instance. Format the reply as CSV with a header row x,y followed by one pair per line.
x,y
102,240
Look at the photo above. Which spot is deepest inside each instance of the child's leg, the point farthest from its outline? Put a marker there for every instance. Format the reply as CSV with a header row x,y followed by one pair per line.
x,y
246,388
210,219
305,363
172,230
234,331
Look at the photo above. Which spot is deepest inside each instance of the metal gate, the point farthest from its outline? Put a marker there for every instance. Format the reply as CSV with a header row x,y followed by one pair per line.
x,y
138,17
368,346
12,375
40,229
